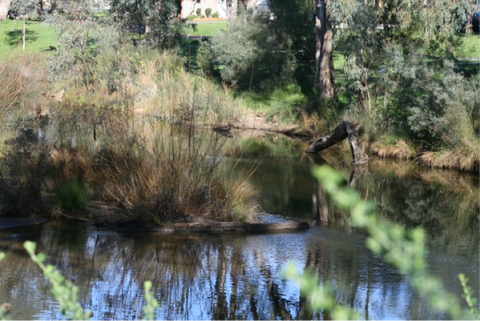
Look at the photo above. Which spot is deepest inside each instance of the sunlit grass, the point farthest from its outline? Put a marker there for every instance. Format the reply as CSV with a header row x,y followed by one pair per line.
x,y
470,46
207,29
39,37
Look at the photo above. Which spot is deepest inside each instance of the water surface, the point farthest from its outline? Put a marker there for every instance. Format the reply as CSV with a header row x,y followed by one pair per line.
x,y
238,276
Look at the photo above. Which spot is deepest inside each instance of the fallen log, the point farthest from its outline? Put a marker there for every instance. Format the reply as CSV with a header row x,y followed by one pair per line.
x,y
343,131
9,222
205,226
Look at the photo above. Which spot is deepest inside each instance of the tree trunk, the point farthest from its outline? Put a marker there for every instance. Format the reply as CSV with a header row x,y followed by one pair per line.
x,y
341,132
324,51
24,34
232,11
4,6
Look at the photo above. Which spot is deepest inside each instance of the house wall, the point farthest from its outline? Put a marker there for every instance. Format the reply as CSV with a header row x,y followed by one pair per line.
x,y
189,7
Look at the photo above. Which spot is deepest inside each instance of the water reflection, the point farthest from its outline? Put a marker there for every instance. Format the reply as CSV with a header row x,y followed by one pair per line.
x,y
209,277
236,276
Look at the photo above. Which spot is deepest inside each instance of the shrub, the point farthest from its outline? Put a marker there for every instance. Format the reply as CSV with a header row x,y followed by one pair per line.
x,y
73,195
215,15
205,58
191,17
249,54
199,12
177,174
203,16
208,12
24,172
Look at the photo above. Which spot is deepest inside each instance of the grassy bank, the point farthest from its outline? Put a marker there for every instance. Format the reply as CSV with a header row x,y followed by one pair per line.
x,y
172,88
135,149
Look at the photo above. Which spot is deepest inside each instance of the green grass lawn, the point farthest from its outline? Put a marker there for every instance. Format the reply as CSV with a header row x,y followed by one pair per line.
x,y
470,47
207,29
39,37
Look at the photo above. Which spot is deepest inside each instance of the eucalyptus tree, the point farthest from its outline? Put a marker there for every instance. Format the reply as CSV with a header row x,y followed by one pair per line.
x,y
158,19
362,29
324,49
396,89
78,31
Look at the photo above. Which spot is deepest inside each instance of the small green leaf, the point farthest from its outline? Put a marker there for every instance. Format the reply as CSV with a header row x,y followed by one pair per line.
x,y
30,247
41,257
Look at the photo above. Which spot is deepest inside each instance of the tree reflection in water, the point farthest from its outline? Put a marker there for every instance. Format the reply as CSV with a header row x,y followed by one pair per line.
x,y
237,276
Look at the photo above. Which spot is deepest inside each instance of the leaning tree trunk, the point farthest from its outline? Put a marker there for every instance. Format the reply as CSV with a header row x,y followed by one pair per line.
x,y
341,132
324,51
4,6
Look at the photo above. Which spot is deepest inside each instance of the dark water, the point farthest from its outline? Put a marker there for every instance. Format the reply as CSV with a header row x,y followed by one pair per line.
x,y
238,276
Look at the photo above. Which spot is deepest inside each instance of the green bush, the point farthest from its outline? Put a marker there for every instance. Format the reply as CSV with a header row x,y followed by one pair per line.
x,y
205,58
215,15
199,12
73,195
208,12
191,17
249,54
203,16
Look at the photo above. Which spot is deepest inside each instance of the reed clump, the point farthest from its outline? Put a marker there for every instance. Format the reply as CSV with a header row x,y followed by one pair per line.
x,y
178,173
152,171
451,159
393,146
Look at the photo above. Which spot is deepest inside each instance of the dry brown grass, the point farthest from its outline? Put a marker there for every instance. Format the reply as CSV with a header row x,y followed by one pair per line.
x,y
400,149
69,164
172,171
165,90
450,159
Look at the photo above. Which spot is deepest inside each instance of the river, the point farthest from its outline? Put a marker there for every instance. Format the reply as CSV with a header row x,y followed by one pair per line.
x,y
239,276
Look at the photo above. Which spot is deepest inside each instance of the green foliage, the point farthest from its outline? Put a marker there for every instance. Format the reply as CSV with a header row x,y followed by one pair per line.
x,y
151,304
191,17
391,86
468,296
293,27
287,103
208,29
249,54
208,12
165,30
79,33
446,108
73,195
39,37
215,15
23,7
24,170
199,12
2,311
320,297
405,249
284,103
205,58
63,290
